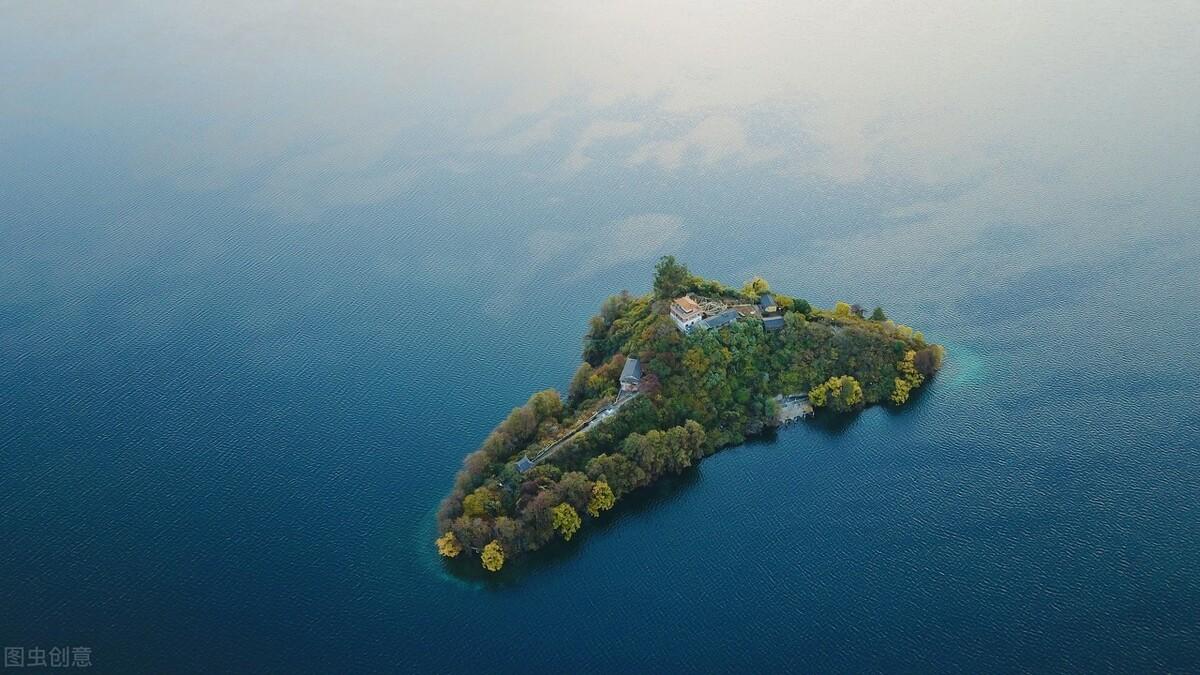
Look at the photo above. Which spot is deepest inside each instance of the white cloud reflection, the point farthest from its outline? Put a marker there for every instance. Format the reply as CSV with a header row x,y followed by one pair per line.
x,y
325,105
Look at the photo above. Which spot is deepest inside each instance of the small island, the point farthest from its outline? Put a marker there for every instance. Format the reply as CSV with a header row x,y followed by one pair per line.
x,y
666,380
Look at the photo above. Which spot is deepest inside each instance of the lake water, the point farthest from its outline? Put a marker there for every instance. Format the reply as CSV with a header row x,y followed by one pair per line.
x,y
269,274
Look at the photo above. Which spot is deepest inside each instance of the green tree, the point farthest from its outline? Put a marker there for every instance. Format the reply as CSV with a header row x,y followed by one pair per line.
x,y
492,557
566,520
481,503
671,278
546,405
602,499
617,471
580,389
878,315
794,322
574,488
448,545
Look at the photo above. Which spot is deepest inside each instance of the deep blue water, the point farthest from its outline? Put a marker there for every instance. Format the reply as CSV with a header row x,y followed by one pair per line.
x,y
233,389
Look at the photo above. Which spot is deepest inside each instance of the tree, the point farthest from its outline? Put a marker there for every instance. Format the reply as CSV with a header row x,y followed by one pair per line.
x,y
802,306
929,360
546,405
819,395
908,370
508,533
756,287
648,451
566,520
521,424
694,439
492,557
537,516
602,499
794,322
448,545
675,450
878,315
471,532
671,278
850,394
574,488
839,393
617,471
650,385
579,389
841,309
909,378
481,503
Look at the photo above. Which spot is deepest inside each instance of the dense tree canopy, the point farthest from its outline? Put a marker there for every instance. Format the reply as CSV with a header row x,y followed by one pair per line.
x,y
700,391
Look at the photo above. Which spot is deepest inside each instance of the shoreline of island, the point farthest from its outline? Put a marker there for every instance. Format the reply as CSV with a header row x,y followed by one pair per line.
x,y
667,379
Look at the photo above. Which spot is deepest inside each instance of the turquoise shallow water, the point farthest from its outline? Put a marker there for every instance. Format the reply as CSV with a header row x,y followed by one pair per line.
x,y
234,384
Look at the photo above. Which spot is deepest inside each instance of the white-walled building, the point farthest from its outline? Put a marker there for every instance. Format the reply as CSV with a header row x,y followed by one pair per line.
x,y
686,313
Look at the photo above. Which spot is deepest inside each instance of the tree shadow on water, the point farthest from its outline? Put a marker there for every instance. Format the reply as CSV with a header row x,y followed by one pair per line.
x,y
832,423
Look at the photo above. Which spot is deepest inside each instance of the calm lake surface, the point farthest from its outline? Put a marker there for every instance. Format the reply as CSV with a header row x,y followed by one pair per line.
x,y
269,274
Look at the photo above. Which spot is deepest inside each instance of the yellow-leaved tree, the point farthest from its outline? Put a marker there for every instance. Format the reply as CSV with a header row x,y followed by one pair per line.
x,y
566,520
756,286
839,393
909,378
492,557
448,545
602,498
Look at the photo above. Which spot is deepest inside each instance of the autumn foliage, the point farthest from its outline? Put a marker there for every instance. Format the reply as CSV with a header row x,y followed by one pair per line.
x,y
700,391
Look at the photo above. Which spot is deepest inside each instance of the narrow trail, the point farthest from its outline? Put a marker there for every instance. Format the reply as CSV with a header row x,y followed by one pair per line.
x,y
596,418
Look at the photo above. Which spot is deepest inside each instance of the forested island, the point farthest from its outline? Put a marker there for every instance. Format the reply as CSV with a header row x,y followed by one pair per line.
x,y
666,380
